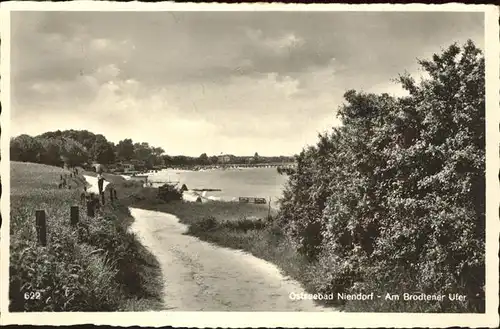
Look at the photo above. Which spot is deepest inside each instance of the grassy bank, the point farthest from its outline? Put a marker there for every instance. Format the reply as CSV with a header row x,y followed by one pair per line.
x,y
96,266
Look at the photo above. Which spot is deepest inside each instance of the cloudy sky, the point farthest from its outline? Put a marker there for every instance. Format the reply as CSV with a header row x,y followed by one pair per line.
x,y
194,82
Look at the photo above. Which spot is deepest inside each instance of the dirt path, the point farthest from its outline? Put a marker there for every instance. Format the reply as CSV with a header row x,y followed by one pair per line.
x,y
202,277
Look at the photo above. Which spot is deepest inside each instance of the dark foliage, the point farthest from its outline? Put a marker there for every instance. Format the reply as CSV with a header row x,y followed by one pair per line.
x,y
395,197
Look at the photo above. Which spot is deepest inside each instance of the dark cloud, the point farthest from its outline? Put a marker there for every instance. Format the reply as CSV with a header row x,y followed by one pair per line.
x,y
192,46
217,69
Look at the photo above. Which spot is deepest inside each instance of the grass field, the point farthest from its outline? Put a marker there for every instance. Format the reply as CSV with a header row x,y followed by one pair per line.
x,y
95,266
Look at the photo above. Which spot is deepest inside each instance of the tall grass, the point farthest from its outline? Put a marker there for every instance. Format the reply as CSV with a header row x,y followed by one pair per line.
x,y
96,266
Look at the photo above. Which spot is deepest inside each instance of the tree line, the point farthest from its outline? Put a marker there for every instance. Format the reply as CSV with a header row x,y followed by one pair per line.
x,y
205,160
394,198
81,147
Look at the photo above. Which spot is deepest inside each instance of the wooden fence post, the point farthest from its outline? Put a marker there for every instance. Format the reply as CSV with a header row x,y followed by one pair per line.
x,y
90,208
96,204
114,194
41,227
102,198
269,209
74,215
111,195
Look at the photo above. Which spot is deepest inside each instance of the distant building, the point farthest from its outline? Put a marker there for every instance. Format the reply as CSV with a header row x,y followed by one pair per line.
x,y
226,158
127,167
133,165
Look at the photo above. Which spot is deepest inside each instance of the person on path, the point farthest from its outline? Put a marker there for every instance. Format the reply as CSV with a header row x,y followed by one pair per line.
x,y
100,183
100,178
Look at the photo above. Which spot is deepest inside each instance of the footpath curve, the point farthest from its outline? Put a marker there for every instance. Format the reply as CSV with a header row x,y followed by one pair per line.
x,y
199,276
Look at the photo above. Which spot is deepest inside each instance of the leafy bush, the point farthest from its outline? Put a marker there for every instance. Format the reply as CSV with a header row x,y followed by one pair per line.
x,y
63,273
169,193
395,197
206,223
245,224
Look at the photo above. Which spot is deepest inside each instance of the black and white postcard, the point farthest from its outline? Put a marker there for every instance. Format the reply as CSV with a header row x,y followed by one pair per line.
x,y
249,165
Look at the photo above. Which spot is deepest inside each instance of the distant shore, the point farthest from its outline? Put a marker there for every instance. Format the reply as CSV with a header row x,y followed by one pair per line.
x,y
281,166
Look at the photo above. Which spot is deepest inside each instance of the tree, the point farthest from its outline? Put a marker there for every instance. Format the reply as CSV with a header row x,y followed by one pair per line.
x,y
142,151
449,178
52,154
102,151
214,160
76,147
83,137
73,153
125,149
203,159
256,157
157,153
167,160
395,197
26,149
181,160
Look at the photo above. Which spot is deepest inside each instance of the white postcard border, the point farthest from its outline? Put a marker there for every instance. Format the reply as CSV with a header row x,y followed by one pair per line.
x,y
267,319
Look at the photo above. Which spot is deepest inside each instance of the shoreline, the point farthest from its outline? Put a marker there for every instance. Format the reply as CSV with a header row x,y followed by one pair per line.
x,y
193,170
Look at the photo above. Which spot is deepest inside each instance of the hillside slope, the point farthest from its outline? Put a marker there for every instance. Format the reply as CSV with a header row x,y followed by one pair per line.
x,y
96,265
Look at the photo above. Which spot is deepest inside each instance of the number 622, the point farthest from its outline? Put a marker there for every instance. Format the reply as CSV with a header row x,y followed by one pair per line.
x,y
32,295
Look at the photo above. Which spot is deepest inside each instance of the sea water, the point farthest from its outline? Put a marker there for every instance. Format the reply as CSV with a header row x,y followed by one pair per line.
x,y
234,183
